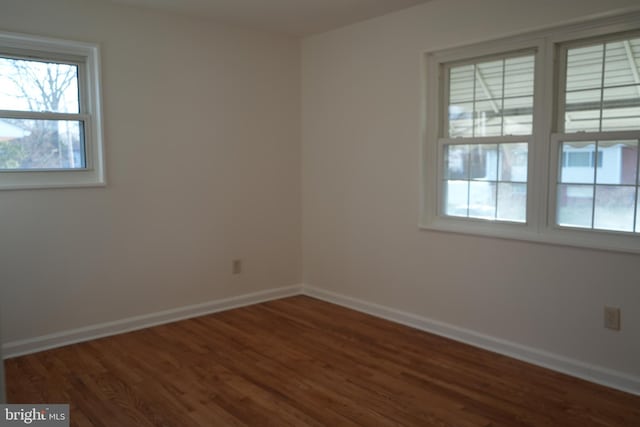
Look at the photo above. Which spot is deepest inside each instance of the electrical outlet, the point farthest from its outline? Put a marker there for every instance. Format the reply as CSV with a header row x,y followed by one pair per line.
x,y
236,266
612,318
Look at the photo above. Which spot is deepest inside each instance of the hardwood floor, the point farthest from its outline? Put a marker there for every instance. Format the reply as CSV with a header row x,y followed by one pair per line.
x,y
302,362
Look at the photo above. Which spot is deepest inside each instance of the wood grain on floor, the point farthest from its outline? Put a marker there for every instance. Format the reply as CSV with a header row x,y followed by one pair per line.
x,y
303,362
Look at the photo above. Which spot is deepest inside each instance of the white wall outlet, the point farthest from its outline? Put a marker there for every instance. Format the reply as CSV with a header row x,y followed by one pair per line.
x,y
236,266
612,318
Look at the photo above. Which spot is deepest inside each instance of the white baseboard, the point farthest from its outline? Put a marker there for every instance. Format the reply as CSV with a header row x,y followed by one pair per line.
x,y
596,374
576,368
59,339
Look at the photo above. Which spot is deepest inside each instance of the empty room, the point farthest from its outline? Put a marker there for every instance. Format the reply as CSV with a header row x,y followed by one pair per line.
x,y
320,213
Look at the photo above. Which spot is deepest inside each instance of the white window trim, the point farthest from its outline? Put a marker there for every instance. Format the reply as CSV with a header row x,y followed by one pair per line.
x,y
93,175
543,157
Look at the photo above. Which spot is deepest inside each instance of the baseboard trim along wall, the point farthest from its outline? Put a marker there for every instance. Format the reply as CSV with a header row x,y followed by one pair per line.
x,y
73,336
596,374
551,361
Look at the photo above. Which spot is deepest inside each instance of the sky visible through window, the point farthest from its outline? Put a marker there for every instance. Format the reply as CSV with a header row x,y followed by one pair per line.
x,y
41,138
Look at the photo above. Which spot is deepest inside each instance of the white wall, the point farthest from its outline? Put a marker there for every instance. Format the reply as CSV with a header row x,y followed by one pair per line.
x,y
361,120
203,161
203,166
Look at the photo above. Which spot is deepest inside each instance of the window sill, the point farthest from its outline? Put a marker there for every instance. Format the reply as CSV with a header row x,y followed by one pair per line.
x,y
51,179
557,236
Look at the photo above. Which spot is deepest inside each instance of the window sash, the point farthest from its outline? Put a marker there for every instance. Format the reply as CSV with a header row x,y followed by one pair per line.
x,y
562,49
86,57
497,140
445,72
556,163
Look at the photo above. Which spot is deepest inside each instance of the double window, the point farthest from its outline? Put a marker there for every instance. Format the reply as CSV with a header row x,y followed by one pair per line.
x,y
537,137
49,113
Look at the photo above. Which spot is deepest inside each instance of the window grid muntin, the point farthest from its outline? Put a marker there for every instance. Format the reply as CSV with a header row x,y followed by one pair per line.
x,y
547,125
562,76
446,68
484,141
596,138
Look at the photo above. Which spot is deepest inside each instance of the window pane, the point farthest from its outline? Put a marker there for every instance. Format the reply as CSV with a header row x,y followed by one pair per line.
x,y
617,163
512,202
513,162
621,108
575,162
482,200
582,111
473,184
614,208
28,85
584,121
518,76
456,162
41,144
584,67
575,205
492,98
461,84
619,88
461,120
488,120
638,216
456,198
489,77
617,63
483,162
518,116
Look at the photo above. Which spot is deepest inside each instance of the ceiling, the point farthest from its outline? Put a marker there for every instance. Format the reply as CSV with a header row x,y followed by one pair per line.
x,y
294,17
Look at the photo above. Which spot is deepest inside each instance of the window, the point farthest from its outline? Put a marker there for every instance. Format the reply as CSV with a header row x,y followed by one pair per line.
x,y
537,137
600,100
489,113
50,127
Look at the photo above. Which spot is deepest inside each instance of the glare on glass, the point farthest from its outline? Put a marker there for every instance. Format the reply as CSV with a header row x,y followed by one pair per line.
x,y
482,200
456,198
37,86
614,208
512,202
575,205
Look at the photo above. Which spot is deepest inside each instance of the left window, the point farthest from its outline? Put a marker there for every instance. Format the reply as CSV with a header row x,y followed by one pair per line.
x,y
50,122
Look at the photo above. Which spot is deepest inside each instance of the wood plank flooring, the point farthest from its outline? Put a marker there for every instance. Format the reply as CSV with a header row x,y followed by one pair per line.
x,y
303,362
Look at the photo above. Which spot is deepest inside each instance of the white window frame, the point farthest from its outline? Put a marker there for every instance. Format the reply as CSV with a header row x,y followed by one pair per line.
x,y
543,144
87,57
